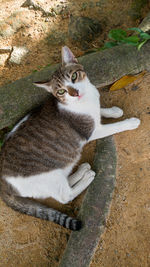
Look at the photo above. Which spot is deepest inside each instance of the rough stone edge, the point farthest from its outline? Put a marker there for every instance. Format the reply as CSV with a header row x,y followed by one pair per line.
x,y
95,207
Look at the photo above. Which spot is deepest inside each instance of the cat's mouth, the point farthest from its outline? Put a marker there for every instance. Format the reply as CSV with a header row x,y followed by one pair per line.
x,y
80,96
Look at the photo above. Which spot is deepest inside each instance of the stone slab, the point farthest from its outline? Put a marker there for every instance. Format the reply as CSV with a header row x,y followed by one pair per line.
x,y
103,68
95,207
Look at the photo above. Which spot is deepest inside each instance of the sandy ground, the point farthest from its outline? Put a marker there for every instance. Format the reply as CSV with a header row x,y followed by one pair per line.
x,y
27,241
125,241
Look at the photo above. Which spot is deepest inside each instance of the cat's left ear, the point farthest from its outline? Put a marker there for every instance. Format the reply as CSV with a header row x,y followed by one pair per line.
x,y
67,56
46,85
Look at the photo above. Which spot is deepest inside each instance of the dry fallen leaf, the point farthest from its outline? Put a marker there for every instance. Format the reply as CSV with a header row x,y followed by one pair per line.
x,y
125,80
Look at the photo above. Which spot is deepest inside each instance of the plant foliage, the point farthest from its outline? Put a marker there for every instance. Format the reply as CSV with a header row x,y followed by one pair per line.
x,y
119,36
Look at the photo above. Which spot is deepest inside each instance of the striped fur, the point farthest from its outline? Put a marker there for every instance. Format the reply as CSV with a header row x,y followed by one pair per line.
x,y
48,140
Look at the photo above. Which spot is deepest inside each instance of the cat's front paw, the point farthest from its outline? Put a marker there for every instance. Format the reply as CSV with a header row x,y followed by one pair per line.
x,y
116,112
132,123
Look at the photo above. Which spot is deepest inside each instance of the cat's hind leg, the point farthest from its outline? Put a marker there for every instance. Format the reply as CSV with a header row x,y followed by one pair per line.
x,y
79,187
78,175
113,112
66,193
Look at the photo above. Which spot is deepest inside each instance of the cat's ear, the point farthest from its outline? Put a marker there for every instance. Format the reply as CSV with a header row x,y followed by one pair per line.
x,y
46,85
67,56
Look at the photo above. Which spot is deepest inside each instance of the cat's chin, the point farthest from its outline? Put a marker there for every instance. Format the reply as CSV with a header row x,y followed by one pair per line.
x,y
73,100
80,97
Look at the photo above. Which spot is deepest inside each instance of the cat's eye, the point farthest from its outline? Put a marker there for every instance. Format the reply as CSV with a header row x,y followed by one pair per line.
x,y
74,77
61,92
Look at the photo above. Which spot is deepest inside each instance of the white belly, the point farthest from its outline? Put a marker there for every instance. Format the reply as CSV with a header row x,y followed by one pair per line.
x,y
41,186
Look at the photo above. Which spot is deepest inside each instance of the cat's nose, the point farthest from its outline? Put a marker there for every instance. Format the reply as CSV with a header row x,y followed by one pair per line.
x,y
72,91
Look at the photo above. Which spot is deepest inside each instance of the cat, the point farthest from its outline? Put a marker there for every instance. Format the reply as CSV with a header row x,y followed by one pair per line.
x,y
40,152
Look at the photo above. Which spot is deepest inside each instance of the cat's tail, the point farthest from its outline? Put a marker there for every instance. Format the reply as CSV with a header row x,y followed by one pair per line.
x,y
36,209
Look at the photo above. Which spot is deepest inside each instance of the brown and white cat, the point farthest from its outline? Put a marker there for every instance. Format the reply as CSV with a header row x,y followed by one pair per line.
x,y
42,149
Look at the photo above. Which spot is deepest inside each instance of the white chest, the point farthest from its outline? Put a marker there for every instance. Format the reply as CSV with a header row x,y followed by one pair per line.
x,y
88,104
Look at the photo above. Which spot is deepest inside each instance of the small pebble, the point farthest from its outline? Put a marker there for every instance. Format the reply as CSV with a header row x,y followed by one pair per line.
x,y
135,87
18,54
30,7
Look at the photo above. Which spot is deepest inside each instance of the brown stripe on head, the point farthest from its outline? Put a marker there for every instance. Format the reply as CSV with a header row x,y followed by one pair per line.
x,y
81,75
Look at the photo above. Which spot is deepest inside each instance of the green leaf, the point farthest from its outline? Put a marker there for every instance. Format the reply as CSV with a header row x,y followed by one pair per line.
x,y
48,65
141,44
145,35
135,29
120,37
117,34
132,39
133,44
110,44
39,67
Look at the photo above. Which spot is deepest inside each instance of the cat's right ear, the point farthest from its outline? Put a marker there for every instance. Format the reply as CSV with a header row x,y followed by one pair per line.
x,y
46,85
67,56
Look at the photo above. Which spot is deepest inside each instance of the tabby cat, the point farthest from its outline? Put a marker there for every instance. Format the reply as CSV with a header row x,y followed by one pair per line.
x,y
40,152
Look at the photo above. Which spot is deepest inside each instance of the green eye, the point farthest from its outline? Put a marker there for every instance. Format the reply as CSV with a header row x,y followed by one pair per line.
x,y
61,92
74,77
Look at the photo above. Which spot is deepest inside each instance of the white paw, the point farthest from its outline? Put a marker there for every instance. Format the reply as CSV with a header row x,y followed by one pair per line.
x,y
132,123
84,167
88,177
116,112
79,174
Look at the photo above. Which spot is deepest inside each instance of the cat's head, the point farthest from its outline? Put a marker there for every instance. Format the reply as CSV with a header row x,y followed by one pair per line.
x,y
68,84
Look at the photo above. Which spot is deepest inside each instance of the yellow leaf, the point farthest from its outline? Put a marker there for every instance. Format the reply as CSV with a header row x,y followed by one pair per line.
x,y
125,80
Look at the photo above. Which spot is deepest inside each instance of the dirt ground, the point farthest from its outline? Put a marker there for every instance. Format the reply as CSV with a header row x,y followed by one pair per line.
x,y
125,241
26,241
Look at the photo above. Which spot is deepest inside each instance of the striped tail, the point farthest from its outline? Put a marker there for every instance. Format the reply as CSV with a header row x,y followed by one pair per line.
x,y
33,208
